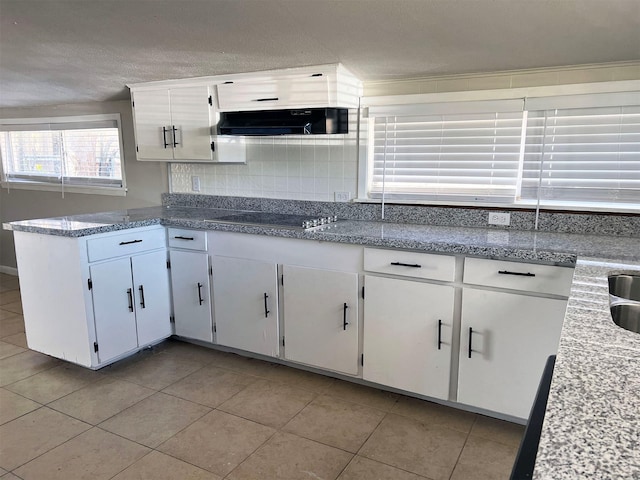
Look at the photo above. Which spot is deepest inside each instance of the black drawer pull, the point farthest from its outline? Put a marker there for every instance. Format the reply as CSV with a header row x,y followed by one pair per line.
x,y
132,241
130,294
164,137
439,333
272,99
141,289
400,264
200,293
470,338
173,129
266,307
520,274
180,237
344,317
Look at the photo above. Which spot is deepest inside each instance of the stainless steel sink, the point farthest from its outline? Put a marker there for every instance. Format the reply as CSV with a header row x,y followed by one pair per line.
x,y
625,286
627,315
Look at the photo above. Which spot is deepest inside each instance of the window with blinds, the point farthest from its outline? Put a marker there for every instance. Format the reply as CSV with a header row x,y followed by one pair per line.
x,y
582,155
447,157
68,152
578,151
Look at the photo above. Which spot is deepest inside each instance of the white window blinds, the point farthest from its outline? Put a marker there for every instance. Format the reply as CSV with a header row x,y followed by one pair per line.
x,y
84,153
578,151
583,155
447,157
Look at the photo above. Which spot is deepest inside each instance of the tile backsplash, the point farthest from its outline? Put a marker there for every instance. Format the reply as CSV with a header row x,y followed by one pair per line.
x,y
287,167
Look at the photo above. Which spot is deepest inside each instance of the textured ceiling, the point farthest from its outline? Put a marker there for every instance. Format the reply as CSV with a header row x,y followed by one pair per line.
x,y
62,51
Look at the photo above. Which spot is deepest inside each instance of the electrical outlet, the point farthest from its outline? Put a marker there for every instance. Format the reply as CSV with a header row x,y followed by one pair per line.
x,y
499,218
342,196
195,183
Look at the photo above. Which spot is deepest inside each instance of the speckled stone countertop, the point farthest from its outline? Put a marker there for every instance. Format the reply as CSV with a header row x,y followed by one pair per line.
x,y
591,428
547,247
592,424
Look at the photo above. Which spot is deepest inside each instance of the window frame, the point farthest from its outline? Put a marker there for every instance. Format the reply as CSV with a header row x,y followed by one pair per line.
x,y
62,186
412,103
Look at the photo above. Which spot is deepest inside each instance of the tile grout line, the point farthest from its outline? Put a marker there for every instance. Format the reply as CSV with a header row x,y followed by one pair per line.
x,y
463,445
52,448
380,461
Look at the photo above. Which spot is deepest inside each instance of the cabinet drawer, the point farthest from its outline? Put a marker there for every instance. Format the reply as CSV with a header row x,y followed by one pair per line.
x,y
306,91
518,276
133,241
187,239
410,264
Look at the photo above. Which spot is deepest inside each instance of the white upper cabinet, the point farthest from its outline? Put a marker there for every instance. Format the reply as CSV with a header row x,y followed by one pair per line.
x,y
323,86
152,116
178,124
306,90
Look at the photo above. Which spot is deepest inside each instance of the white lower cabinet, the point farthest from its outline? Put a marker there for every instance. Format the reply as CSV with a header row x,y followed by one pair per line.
x,y
246,304
93,300
113,307
191,294
321,318
130,303
505,341
408,329
151,291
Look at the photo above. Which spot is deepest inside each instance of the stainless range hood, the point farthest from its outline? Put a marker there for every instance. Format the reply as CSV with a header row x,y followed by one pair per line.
x,y
302,121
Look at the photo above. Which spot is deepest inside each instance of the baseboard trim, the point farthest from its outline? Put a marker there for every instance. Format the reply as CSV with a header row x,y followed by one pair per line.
x,y
9,270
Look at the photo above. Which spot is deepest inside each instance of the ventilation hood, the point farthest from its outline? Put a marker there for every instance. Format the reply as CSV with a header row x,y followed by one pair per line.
x,y
300,121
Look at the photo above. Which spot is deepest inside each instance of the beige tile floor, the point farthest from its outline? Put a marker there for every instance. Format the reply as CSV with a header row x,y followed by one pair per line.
x,y
184,412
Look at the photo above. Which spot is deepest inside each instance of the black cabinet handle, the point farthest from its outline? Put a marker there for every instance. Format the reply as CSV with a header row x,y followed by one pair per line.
x,y
130,294
180,237
164,137
173,128
520,274
470,338
272,99
439,333
266,308
132,241
344,317
141,289
400,264
200,293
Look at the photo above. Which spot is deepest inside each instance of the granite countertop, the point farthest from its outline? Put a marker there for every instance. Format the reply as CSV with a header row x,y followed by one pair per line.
x,y
591,427
592,423
547,247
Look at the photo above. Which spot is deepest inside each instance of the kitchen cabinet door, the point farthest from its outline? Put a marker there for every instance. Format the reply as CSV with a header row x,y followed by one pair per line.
x,y
321,318
151,286
113,308
408,328
190,117
152,117
191,295
504,353
246,304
